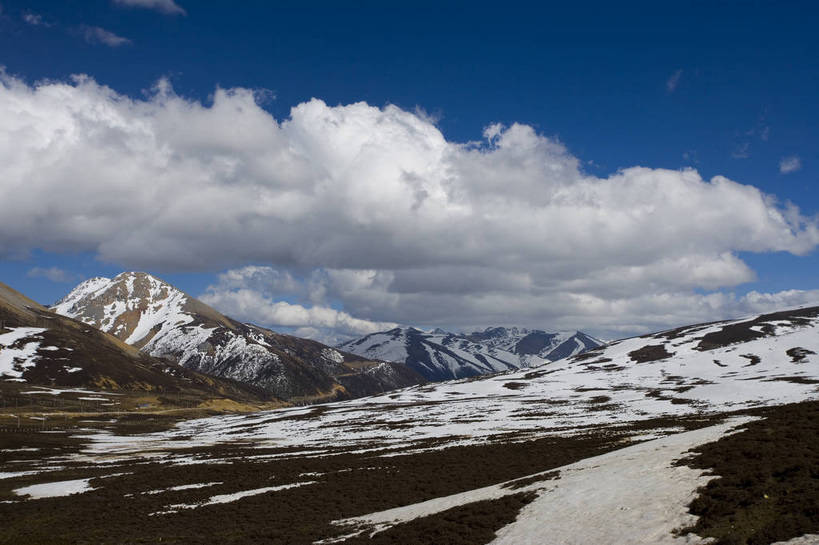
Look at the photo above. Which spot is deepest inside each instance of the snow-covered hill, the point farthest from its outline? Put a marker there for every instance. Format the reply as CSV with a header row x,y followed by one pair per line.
x,y
524,342
709,368
437,355
164,322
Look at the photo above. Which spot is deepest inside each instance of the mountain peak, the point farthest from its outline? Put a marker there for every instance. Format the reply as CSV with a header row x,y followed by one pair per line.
x,y
131,306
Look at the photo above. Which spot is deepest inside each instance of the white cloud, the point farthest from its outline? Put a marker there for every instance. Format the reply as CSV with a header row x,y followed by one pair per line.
x,y
369,208
244,294
673,81
790,164
55,274
164,6
741,150
97,35
35,19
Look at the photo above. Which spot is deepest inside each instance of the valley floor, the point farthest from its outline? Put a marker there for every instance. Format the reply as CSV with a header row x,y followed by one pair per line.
x,y
605,484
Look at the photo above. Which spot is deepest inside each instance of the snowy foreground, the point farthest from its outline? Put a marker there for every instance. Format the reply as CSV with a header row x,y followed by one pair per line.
x,y
318,461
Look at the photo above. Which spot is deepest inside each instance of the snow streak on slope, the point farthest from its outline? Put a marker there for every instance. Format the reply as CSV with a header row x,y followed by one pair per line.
x,y
702,369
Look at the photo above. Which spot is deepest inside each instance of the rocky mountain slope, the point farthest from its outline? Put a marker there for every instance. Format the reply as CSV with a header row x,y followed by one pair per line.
x,y
153,316
40,347
441,355
551,346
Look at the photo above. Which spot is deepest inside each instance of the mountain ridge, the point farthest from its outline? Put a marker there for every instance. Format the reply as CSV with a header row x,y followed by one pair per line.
x,y
442,355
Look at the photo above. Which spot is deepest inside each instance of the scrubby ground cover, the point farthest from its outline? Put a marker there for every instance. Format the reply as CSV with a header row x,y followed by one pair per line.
x,y
768,485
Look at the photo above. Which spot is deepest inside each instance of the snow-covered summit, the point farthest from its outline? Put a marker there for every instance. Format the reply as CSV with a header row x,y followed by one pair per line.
x,y
133,306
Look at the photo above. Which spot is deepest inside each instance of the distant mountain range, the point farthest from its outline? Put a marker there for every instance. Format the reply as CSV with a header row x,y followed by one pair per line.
x,y
441,355
162,321
535,342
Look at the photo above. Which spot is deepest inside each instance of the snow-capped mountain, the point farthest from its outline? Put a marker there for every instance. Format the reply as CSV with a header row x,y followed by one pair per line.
x,y
438,355
41,348
162,321
551,346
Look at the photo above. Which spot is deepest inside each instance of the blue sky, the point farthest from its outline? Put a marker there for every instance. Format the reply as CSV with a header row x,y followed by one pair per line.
x,y
726,88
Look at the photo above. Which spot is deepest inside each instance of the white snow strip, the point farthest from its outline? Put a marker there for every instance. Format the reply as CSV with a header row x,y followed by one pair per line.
x,y
634,495
182,487
807,539
55,490
58,391
13,474
631,495
228,498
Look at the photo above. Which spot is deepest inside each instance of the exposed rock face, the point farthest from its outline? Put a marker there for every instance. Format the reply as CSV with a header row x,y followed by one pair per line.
x,y
162,321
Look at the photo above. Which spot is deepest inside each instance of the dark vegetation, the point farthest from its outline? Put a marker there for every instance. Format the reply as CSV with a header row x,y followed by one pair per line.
x,y
466,525
742,332
799,354
650,352
768,485
753,359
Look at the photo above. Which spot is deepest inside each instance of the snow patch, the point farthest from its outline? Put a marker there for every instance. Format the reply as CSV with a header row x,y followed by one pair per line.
x,y
55,490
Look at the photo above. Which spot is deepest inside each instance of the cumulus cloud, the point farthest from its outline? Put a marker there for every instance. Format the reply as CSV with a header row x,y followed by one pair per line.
x,y
98,35
163,6
248,294
369,209
54,274
790,164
